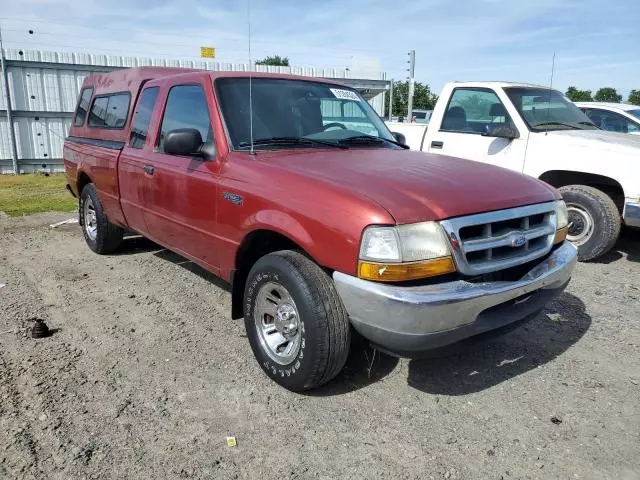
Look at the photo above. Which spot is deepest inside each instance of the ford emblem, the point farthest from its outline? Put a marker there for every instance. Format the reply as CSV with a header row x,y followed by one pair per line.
x,y
518,241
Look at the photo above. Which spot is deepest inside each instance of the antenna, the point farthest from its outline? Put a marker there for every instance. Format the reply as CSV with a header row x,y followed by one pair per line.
x,y
553,66
252,151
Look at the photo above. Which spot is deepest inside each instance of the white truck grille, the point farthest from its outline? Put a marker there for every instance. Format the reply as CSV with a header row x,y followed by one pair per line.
x,y
493,241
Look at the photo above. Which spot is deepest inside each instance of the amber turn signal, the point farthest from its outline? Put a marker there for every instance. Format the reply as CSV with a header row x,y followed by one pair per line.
x,y
561,235
400,272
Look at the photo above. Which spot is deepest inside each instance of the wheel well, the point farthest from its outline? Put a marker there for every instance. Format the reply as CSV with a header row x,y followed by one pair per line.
x,y
83,180
254,246
561,178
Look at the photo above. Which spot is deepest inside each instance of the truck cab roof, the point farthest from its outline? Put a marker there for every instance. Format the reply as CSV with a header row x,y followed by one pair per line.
x,y
126,84
608,105
496,84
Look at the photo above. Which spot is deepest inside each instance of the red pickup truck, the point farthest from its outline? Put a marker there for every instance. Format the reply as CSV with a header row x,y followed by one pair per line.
x,y
295,192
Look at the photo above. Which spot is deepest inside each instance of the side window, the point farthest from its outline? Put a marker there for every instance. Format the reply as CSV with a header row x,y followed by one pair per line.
x,y
110,111
83,106
142,117
186,108
612,121
594,116
472,110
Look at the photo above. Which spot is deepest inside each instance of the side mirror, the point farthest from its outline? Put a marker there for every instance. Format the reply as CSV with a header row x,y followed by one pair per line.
x,y
188,142
501,131
400,138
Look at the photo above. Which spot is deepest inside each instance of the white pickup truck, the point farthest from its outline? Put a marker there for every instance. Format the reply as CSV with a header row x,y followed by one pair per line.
x,y
538,131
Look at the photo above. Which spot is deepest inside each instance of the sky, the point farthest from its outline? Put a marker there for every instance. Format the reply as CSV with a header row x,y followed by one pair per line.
x,y
596,42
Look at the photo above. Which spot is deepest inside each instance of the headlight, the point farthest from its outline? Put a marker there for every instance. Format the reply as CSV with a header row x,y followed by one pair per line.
x,y
562,225
561,214
404,252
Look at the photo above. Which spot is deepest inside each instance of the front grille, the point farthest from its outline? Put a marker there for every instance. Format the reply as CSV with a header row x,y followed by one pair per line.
x,y
488,242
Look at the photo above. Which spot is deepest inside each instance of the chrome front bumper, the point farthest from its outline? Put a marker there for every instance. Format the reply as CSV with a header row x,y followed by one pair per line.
x,y
631,214
409,320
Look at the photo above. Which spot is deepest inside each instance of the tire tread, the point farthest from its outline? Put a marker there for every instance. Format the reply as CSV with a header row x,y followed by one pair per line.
x,y
109,236
326,308
612,221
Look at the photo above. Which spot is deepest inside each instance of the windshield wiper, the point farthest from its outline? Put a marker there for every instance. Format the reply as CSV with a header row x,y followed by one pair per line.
x,y
590,124
290,141
370,139
543,124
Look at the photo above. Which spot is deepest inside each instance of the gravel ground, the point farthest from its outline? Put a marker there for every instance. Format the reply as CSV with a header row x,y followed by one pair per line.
x,y
146,374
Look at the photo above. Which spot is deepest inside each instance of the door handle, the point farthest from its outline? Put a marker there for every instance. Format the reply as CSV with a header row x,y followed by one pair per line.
x,y
148,169
437,144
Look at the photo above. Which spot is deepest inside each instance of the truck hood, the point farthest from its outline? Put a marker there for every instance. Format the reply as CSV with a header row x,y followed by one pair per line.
x,y
610,142
415,186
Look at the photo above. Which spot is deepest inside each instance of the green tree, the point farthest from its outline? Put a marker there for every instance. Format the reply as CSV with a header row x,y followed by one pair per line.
x,y
423,98
634,97
576,95
275,60
607,94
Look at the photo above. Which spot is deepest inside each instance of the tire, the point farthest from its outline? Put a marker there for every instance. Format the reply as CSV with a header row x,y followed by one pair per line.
x,y
594,220
102,236
318,349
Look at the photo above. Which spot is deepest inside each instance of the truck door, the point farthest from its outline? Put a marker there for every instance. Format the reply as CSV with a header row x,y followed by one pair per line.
x,y
132,177
180,205
472,111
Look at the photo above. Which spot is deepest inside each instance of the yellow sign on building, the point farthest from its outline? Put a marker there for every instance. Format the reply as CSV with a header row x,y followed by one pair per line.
x,y
207,52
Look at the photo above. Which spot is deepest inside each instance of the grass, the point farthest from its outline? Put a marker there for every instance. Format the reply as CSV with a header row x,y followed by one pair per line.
x,y
28,194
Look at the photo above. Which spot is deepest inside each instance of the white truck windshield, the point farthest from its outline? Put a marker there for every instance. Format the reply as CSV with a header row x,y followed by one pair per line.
x,y
543,109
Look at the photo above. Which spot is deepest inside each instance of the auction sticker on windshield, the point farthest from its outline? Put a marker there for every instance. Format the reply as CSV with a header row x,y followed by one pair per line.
x,y
345,94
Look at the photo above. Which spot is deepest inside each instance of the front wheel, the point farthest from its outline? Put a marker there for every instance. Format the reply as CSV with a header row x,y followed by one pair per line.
x,y
296,324
594,220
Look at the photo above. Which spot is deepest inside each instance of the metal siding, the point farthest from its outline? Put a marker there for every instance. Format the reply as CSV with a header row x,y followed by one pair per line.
x,y
5,141
64,57
83,58
49,57
128,61
68,88
377,103
52,94
3,103
99,60
40,139
17,90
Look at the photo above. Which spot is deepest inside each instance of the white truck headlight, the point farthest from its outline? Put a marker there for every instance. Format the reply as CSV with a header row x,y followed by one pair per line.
x,y
404,252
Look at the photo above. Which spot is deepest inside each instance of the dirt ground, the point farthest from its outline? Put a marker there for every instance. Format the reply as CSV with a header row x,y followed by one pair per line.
x,y
146,374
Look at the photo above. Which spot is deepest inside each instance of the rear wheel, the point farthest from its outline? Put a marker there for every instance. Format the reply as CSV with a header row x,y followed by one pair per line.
x,y
297,326
101,235
594,220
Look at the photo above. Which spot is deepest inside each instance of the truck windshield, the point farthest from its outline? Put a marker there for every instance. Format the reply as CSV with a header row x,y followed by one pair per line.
x,y
298,113
543,109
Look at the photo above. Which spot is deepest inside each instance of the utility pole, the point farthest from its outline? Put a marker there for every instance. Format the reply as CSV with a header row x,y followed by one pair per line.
x,y
391,99
412,80
7,97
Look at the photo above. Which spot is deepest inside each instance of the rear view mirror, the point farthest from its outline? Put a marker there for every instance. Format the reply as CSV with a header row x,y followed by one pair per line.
x,y
501,131
400,138
188,142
